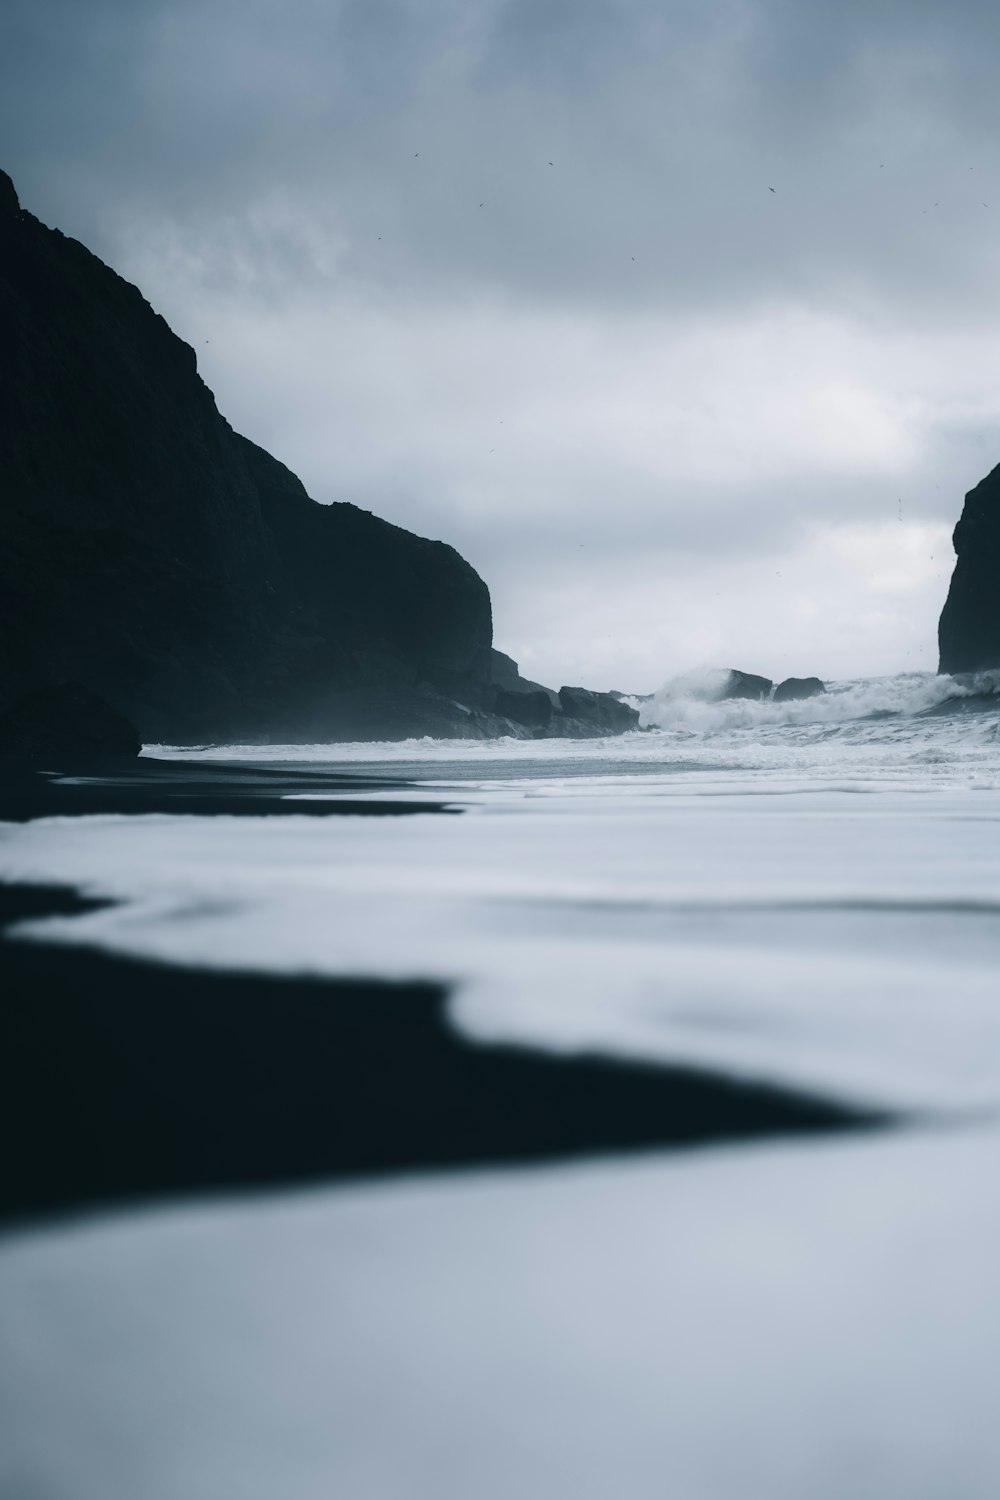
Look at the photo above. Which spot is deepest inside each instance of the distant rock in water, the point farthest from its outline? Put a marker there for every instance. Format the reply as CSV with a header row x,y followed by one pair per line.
x,y
66,720
969,630
746,685
794,688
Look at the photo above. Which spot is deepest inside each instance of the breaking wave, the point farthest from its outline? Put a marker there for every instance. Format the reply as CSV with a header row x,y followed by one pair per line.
x,y
906,730
694,701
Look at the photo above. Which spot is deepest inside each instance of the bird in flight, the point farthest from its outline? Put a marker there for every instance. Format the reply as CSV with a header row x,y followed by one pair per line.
x,y
770,189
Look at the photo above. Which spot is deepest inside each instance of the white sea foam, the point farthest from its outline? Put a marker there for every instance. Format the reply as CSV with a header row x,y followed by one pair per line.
x,y
877,726
905,752
695,700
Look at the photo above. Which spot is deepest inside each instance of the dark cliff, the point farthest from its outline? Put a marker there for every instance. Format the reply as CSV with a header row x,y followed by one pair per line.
x,y
969,631
153,555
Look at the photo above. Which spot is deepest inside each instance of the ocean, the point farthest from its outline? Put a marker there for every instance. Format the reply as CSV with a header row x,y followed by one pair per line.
x,y
785,1287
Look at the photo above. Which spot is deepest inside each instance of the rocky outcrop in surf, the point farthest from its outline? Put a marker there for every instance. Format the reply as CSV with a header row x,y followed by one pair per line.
x,y
795,688
969,630
762,689
746,685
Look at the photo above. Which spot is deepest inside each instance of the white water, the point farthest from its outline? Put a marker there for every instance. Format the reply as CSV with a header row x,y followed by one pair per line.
x,y
798,893
878,729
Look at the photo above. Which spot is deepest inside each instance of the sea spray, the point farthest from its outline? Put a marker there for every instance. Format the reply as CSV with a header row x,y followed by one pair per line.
x,y
695,701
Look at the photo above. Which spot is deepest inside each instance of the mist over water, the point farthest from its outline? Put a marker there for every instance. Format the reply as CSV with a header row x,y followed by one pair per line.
x,y
696,700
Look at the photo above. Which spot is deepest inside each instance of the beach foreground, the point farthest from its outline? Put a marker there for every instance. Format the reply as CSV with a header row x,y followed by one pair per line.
x,y
475,1007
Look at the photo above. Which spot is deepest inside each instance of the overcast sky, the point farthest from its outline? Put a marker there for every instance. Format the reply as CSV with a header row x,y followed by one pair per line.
x,y
511,273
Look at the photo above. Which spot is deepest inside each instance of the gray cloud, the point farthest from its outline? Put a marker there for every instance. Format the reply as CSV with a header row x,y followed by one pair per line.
x,y
666,127
353,200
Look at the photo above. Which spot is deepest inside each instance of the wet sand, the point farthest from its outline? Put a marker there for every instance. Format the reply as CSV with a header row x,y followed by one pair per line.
x,y
69,788
127,1080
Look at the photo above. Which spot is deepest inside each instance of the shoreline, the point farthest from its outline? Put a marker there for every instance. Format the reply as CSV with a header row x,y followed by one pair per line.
x,y
75,787
126,1081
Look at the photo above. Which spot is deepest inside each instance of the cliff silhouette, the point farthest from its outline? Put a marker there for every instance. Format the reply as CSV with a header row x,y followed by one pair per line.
x,y
155,556
969,631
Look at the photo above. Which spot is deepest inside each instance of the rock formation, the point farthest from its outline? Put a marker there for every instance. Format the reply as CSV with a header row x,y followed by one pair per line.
x,y
601,710
746,685
504,674
532,710
794,688
579,713
159,559
153,557
969,631
66,718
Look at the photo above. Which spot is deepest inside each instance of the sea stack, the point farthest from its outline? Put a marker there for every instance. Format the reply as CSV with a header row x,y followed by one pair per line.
x,y
969,631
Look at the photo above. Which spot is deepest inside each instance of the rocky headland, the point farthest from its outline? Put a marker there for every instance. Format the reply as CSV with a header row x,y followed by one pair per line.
x,y
154,557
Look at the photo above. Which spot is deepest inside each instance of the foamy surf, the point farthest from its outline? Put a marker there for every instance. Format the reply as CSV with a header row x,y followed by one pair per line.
x,y
859,735
695,701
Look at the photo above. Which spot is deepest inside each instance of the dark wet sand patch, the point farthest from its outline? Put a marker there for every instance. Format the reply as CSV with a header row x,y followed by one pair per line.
x,y
123,1080
203,789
